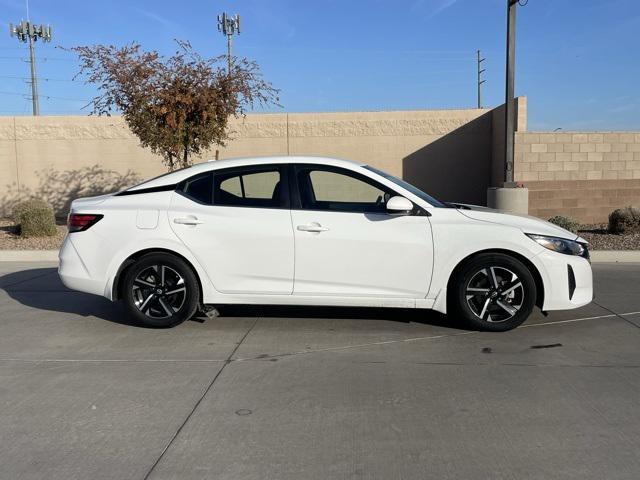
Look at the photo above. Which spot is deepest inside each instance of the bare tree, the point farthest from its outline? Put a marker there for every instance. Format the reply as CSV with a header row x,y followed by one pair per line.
x,y
177,106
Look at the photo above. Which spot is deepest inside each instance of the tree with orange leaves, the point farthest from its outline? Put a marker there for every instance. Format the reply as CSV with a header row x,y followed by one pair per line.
x,y
177,106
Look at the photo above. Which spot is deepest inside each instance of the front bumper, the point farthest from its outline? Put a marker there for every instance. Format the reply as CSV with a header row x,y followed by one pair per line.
x,y
568,280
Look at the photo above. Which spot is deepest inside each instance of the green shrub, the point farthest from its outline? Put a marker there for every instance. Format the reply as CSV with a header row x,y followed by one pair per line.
x,y
567,223
34,218
624,220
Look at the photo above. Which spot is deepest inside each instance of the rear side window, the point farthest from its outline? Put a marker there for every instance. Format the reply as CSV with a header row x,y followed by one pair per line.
x,y
263,188
198,188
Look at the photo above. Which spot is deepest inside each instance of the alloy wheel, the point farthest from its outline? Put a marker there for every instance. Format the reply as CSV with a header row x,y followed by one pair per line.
x,y
159,291
495,294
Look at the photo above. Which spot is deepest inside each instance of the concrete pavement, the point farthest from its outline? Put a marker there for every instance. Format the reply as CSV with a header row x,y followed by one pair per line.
x,y
315,393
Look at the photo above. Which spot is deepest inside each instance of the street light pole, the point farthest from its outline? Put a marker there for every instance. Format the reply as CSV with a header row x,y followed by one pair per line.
x,y
510,101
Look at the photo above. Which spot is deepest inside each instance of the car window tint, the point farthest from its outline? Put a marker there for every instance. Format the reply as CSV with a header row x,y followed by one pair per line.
x,y
324,189
198,188
260,185
232,186
248,189
335,187
407,186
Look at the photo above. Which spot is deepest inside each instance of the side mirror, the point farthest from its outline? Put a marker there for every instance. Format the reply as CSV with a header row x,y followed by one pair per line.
x,y
399,205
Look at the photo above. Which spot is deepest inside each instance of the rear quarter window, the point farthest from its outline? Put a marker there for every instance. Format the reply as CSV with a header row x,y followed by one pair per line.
x,y
198,188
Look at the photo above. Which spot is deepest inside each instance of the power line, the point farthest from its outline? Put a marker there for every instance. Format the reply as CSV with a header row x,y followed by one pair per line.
x,y
57,112
42,79
26,59
46,97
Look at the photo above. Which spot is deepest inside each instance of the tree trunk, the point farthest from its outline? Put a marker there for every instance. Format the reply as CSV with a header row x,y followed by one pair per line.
x,y
171,163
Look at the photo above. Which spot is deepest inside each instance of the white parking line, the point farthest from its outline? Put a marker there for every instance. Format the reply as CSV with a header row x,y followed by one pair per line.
x,y
431,337
579,319
318,350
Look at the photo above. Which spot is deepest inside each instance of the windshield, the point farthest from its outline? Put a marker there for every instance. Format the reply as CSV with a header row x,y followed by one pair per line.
x,y
407,186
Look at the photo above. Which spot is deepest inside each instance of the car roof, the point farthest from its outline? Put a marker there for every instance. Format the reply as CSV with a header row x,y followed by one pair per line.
x,y
177,176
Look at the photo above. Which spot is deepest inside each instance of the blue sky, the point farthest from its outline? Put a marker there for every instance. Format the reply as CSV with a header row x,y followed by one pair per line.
x,y
578,61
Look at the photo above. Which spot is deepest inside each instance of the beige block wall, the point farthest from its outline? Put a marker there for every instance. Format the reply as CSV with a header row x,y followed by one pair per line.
x,y
452,154
543,156
582,174
254,135
8,159
446,152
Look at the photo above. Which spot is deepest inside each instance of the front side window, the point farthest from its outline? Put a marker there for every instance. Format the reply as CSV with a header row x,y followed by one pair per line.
x,y
407,186
249,188
334,189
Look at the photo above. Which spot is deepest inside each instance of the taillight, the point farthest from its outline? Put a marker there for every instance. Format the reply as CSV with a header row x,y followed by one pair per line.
x,y
79,222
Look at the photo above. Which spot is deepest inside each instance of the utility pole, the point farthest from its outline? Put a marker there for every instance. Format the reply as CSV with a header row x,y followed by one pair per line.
x,y
27,32
480,81
229,26
510,100
507,197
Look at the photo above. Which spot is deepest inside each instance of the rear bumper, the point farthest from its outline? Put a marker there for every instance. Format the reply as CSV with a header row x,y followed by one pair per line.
x,y
73,272
561,292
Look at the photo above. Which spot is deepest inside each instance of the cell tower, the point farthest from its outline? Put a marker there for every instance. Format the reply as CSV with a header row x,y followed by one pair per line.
x,y
228,26
27,32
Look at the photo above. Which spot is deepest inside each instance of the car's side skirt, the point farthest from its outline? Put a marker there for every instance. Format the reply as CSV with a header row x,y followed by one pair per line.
x,y
320,300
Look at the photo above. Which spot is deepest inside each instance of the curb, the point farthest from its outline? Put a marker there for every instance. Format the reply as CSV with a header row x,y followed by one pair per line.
x,y
615,256
29,256
597,256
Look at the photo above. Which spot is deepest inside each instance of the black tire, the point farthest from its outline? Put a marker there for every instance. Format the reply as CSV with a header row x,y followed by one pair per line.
x,y
160,291
492,292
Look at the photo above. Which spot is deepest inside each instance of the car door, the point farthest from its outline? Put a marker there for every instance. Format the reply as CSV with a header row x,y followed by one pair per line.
x,y
237,223
346,244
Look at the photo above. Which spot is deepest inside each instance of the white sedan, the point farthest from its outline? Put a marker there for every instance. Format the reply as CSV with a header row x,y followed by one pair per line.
x,y
315,231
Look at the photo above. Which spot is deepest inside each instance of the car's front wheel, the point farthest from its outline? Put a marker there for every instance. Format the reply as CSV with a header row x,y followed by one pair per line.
x,y
493,292
160,290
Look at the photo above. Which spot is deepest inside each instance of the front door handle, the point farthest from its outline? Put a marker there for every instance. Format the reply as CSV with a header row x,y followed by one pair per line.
x,y
187,221
312,227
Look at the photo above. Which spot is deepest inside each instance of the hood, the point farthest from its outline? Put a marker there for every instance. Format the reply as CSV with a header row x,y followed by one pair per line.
x,y
526,223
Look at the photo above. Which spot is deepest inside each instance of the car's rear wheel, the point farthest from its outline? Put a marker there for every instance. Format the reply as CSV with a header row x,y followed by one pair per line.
x,y
493,292
160,290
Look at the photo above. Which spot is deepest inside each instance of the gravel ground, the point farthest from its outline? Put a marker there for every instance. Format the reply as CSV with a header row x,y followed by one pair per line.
x,y
599,239
10,241
596,235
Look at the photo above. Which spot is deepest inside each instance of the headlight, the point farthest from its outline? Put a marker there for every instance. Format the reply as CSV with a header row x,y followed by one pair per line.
x,y
560,245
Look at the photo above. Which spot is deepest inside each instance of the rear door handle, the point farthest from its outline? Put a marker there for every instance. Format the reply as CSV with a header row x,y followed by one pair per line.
x,y
187,221
312,227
